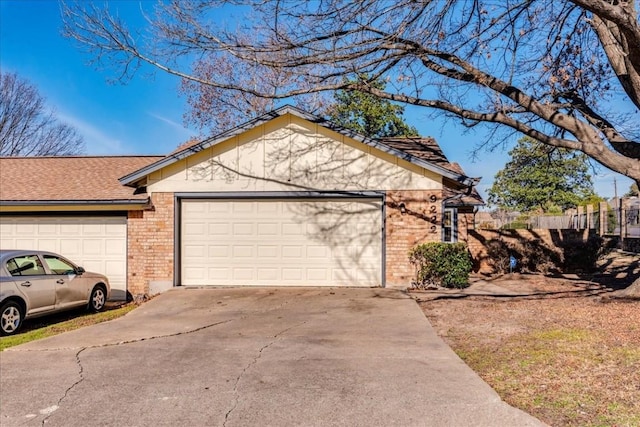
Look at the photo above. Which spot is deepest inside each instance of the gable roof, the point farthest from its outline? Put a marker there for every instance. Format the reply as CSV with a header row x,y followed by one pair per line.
x,y
457,198
423,152
67,180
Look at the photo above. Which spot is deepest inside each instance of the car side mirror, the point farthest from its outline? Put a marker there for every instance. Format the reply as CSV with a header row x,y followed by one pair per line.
x,y
79,270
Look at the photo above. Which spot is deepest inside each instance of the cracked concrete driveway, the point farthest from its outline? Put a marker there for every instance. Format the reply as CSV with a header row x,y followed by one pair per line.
x,y
244,357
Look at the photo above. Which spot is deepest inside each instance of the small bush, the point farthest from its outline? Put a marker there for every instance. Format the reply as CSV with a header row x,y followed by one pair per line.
x,y
498,256
441,264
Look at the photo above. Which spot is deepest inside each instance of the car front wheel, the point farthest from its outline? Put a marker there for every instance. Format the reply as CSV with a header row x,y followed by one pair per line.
x,y
98,299
10,318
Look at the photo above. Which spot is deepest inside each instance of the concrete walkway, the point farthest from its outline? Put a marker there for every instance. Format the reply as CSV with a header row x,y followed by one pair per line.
x,y
245,357
517,286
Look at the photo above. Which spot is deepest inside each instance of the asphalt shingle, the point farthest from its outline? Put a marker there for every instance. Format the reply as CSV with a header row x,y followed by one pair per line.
x,y
91,178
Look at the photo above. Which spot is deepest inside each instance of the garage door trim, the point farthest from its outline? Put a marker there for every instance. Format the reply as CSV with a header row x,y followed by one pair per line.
x,y
266,195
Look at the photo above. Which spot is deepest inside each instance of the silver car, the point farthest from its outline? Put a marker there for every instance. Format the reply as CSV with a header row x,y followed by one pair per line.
x,y
37,283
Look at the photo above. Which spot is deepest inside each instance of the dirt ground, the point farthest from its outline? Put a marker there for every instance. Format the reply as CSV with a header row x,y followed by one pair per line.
x,y
559,348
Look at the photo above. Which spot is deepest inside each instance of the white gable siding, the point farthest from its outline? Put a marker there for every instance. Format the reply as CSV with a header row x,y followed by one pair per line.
x,y
291,154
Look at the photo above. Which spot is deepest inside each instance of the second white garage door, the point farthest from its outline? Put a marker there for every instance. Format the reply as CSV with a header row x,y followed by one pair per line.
x,y
98,244
301,242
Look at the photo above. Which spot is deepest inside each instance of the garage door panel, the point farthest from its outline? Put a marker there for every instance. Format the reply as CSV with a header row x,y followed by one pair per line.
x,y
317,274
46,229
219,251
243,251
243,229
95,265
241,208
240,275
267,274
195,273
71,247
114,268
217,229
96,243
47,245
93,229
292,274
282,242
292,229
26,228
93,246
194,251
70,229
194,229
289,251
267,208
269,251
268,229
115,247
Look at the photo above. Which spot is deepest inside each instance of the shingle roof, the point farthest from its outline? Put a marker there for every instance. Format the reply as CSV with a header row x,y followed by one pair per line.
x,y
423,148
75,178
462,197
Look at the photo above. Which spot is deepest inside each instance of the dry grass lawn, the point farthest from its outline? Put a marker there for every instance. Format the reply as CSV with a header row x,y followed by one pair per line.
x,y
566,356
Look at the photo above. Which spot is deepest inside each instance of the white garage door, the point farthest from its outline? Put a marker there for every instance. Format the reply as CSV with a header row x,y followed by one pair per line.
x,y
98,244
313,242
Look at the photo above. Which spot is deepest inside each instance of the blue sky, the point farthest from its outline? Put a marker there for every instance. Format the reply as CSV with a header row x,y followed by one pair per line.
x,y
145,116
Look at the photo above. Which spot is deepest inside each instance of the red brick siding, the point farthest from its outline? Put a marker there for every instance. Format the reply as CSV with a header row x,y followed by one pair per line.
x,y
554,240
151,236
150,244
404,231
465,223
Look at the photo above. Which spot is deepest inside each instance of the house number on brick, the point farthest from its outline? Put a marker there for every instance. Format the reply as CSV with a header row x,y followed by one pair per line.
x,y
432,216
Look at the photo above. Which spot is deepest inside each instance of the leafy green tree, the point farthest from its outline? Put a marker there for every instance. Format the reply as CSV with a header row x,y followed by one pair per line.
x,y
541,178
368,114
633,191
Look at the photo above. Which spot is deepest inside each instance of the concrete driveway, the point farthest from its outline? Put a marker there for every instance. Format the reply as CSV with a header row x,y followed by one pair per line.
x,y
251,357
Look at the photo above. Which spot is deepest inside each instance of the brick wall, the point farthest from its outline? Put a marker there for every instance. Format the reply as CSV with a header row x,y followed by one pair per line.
x,y
151,236
629,244
556,241
420,223
150,244
465,223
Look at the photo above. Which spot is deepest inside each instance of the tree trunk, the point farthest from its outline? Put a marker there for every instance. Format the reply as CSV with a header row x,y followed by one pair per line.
x,y
632,291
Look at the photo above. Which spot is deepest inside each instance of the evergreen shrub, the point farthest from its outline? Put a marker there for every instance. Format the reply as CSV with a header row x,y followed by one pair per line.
x,y
441,264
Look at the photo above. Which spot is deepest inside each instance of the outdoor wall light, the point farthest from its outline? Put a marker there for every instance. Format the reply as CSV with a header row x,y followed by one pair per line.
x,y
403,208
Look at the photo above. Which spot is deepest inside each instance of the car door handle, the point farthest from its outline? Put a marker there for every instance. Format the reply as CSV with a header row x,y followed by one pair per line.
x,y
26,284
60,281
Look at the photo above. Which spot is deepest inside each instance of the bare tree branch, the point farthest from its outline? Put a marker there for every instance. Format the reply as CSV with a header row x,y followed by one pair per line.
x,y
539,67
27,127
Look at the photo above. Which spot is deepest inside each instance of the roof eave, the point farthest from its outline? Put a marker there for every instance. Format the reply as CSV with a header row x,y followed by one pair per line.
x,y
108,204
464,204
133,178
